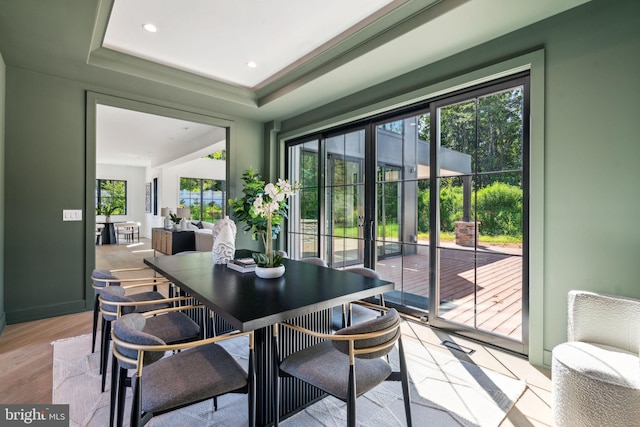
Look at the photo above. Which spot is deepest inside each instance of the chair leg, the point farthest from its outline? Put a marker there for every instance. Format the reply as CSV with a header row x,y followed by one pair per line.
x,y
114,388
251,376
103,337
96,310
105,351
349,315
122,393
351,398
405,383
135,403
344,315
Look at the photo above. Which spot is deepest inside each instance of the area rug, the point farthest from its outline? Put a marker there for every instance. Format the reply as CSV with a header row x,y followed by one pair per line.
x,y
444,392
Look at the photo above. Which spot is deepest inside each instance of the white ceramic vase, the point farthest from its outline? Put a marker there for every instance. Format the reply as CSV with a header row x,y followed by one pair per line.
x,y
224,241
270,272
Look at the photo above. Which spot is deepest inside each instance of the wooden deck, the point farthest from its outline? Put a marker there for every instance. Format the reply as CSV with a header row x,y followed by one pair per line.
x,y
491,301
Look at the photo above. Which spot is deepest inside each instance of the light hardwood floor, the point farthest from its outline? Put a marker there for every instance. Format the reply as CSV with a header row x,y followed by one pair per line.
x,y
26,355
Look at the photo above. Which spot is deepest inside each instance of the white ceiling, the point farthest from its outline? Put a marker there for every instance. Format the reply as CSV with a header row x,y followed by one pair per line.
x,y
132,138
217,38
308,53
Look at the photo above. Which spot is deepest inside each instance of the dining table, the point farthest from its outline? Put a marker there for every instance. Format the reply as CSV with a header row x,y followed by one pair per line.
x,y
304,295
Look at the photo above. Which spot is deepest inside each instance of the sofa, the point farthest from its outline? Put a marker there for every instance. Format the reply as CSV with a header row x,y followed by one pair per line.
x,y
204,235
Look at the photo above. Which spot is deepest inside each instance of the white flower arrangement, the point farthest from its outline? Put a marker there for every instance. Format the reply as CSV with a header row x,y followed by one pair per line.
x,y
272,205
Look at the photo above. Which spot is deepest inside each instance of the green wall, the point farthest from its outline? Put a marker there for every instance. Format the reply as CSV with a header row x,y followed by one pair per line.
x,y
3,319
48,261
590,170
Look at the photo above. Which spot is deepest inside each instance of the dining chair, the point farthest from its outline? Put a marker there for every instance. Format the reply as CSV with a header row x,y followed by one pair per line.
x,y
171,325
199,371
348,363
99,228
128,230
357,312
339,313
101,278
114,302
315,261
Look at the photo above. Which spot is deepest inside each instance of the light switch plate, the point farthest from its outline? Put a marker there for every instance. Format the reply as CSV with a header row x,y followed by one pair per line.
x,y
72,214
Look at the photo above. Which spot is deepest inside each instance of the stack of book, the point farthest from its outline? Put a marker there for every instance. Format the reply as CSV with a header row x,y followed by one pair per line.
x,y
243,265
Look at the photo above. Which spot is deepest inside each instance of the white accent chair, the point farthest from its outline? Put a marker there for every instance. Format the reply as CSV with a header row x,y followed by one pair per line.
x,y
596,374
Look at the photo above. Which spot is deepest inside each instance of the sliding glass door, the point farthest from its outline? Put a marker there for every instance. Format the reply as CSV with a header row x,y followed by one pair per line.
x,y
435,199
478,275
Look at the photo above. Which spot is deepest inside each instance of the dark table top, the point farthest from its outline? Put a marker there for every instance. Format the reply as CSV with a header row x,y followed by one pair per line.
x,y
249,303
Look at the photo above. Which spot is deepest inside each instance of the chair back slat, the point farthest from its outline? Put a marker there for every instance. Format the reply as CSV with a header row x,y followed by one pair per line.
x,y
104,278
385,330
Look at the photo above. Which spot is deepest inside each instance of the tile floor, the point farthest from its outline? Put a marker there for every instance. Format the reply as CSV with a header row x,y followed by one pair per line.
x,y
533,408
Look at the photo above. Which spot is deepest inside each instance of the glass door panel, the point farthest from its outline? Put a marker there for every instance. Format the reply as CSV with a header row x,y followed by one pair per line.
x,y
389,218
481,208
344,200
402,209
303,232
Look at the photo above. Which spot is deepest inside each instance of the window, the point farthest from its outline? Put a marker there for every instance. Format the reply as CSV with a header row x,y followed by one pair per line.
x,y
206,198
218,155
111,197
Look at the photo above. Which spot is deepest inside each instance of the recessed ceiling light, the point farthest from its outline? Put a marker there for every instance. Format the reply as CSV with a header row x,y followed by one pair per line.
x,y
251,64
150,27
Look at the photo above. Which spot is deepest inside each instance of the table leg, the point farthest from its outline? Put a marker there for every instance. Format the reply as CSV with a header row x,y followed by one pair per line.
x,y
295,393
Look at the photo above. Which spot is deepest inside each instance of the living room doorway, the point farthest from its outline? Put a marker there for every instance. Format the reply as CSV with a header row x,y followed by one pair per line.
x,y
145,149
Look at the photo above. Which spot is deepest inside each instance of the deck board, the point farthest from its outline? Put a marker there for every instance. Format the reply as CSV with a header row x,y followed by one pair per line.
x,y
496,285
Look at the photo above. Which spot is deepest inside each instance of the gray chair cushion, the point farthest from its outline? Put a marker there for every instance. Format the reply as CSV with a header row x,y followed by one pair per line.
x,y
105,275
117,294
172,328
383,322
360,314
130,328
190,376
325,367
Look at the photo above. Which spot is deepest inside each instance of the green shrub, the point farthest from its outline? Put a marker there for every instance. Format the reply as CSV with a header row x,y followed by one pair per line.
x,y
500,210
450,207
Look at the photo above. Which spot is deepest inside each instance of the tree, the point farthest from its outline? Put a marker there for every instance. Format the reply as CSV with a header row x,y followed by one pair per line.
x,y
112,197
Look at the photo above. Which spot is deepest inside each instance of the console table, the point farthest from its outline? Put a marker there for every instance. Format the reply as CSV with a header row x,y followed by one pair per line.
x,y
170,242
